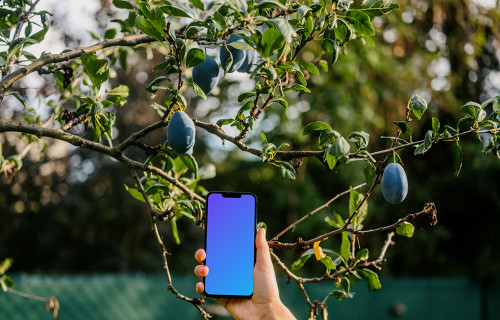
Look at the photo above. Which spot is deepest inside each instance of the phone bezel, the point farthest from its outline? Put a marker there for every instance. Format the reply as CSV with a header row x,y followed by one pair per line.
x,y
254,235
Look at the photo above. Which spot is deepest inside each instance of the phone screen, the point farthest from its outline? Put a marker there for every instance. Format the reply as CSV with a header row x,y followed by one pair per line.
x,y
230,244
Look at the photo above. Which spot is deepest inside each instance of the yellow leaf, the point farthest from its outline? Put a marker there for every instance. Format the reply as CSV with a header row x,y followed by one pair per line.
x,y
318,252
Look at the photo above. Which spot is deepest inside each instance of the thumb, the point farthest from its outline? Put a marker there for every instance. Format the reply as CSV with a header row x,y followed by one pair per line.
x,y
263,258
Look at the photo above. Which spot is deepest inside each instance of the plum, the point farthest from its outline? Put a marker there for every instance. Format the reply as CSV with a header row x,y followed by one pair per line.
x,y
206,74
394,183
180,133
237,54
250,59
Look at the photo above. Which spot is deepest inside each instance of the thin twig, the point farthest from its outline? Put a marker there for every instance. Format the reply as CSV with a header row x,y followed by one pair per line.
x,y
316,210
197,302
295,278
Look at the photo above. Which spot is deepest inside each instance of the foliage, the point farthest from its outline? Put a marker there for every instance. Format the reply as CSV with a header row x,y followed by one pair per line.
x,y
277,31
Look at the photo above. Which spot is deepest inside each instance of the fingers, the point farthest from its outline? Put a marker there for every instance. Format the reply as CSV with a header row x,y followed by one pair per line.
x,y
200,255
201,271
200,287
263,256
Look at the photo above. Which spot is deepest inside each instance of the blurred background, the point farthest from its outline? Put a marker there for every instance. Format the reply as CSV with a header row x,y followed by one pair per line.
x,y
74,232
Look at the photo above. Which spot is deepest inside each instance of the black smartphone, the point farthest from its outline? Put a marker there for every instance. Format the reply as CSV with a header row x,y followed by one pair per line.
x,y
230,244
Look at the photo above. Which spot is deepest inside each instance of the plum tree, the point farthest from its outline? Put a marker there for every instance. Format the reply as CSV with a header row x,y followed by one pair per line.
x,y
206,74
181,132
394,183
83,99
230,53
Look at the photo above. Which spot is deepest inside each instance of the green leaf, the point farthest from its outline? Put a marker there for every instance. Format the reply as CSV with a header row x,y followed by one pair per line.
x,y
175,232
198,4
404,127
326,135
266,4
301,12
264,139
360,138
362,255
345,247
376,8
242,97
191,163
174,11
19,98
195,56
334,152
418,105
372,279
435,126
310,67
6,282
457,158
240,45
369,172
287,171
152,23
135,193
198,91
123,4
299,263
344,4
5,265
298,87
271,41
284,27
223,122
406,229
328,263
153,85
424,147
341,295
316,126
110,34
355,198
96,69
360,21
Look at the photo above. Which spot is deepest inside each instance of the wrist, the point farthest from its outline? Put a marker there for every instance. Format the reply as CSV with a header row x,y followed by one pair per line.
x,y
279,312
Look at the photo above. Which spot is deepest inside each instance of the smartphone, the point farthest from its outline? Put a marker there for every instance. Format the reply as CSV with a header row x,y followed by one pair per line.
x,y
230,244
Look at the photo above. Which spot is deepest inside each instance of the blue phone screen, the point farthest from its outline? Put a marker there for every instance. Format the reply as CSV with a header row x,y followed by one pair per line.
x,y
230,244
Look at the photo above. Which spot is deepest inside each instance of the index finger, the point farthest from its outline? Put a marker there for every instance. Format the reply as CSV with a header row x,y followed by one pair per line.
x,y
200,255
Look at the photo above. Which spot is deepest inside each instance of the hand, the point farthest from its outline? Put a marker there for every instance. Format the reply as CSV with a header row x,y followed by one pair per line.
x,y
265,302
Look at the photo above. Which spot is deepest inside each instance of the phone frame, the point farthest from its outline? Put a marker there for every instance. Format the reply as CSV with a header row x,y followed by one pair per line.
x,y
229,194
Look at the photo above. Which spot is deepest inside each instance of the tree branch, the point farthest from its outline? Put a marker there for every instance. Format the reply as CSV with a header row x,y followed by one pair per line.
x,y
51,303
94,146
429,208
316,210
297,280
197,302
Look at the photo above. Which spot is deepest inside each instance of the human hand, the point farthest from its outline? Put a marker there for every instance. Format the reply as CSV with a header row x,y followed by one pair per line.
x,y
265,302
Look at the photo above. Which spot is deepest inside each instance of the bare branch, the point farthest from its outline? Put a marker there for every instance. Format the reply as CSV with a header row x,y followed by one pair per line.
x,y
197,302
316,210
297,280
51,303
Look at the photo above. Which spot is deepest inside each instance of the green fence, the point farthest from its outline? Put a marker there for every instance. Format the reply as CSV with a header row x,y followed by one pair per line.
x,y
124,296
